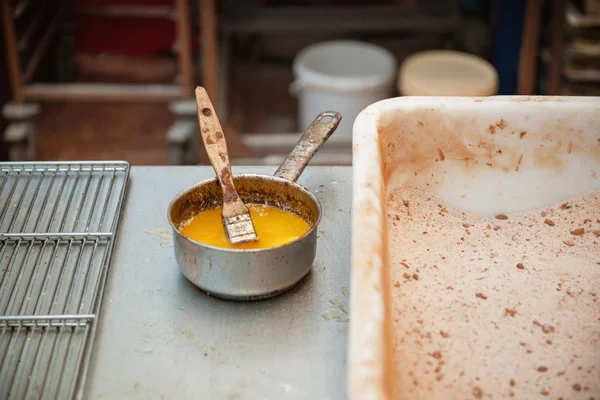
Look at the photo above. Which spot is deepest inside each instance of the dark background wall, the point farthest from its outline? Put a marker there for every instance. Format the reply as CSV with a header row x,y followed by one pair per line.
x,y
4,91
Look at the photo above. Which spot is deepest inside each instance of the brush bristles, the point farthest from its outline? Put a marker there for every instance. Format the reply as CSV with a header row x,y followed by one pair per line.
x,y
240,229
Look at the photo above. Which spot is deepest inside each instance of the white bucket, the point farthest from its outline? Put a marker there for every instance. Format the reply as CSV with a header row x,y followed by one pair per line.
x,y
343,76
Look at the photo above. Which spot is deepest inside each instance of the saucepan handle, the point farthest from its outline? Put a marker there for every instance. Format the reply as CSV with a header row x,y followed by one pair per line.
x,y
315,136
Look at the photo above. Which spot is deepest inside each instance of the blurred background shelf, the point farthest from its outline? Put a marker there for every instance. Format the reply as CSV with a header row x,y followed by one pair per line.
x,y
114,78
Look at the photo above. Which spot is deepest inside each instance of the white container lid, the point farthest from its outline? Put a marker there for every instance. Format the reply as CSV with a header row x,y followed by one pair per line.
x,y
447,73
344,65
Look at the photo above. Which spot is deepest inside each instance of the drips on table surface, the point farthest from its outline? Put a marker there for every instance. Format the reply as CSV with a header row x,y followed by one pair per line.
x,y
274,227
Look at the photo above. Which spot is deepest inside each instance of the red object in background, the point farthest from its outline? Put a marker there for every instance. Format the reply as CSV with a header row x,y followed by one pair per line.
x,y
129,36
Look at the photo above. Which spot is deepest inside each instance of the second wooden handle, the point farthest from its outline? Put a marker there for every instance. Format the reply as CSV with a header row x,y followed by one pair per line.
x,y
214,142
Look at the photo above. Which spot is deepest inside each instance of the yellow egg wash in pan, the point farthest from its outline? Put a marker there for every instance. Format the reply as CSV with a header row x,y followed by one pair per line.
x,y
274,227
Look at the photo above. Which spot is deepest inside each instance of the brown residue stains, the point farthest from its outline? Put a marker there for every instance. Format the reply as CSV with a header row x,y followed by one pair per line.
x,y
496,326
229,193
570,147
545,328
417,146
219,134
544,393
441,153
415,277
492,129
577,387
477,392
545,157
481,296
501,217
578,232
519,163
419,133
542,369
210,139
437,355
512,382
565,206
569,243
520,266
549,222
223,156
510,312
445,335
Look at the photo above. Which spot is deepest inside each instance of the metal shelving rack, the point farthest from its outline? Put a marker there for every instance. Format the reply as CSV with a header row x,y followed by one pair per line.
x,y
22,69
58,224
27,42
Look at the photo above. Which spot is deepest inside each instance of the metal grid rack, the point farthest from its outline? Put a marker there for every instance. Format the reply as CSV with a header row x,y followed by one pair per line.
x,y
58,222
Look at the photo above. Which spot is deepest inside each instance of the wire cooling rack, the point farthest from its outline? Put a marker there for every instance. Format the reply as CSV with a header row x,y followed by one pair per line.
x,y
58,223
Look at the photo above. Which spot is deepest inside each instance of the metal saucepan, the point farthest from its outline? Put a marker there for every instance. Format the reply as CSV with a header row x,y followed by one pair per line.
x,y
252,274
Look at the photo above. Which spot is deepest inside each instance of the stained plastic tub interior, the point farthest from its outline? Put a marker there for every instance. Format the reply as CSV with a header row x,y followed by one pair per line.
x,y
484,155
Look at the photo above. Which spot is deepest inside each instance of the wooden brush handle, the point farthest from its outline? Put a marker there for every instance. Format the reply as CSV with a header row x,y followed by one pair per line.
x,y
214,142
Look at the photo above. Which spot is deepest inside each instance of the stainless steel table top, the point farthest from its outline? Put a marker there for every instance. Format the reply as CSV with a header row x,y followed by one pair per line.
x,y
160,337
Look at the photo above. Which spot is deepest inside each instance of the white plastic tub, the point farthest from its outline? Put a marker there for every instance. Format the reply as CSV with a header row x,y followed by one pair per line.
x,y
500,155
342,76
